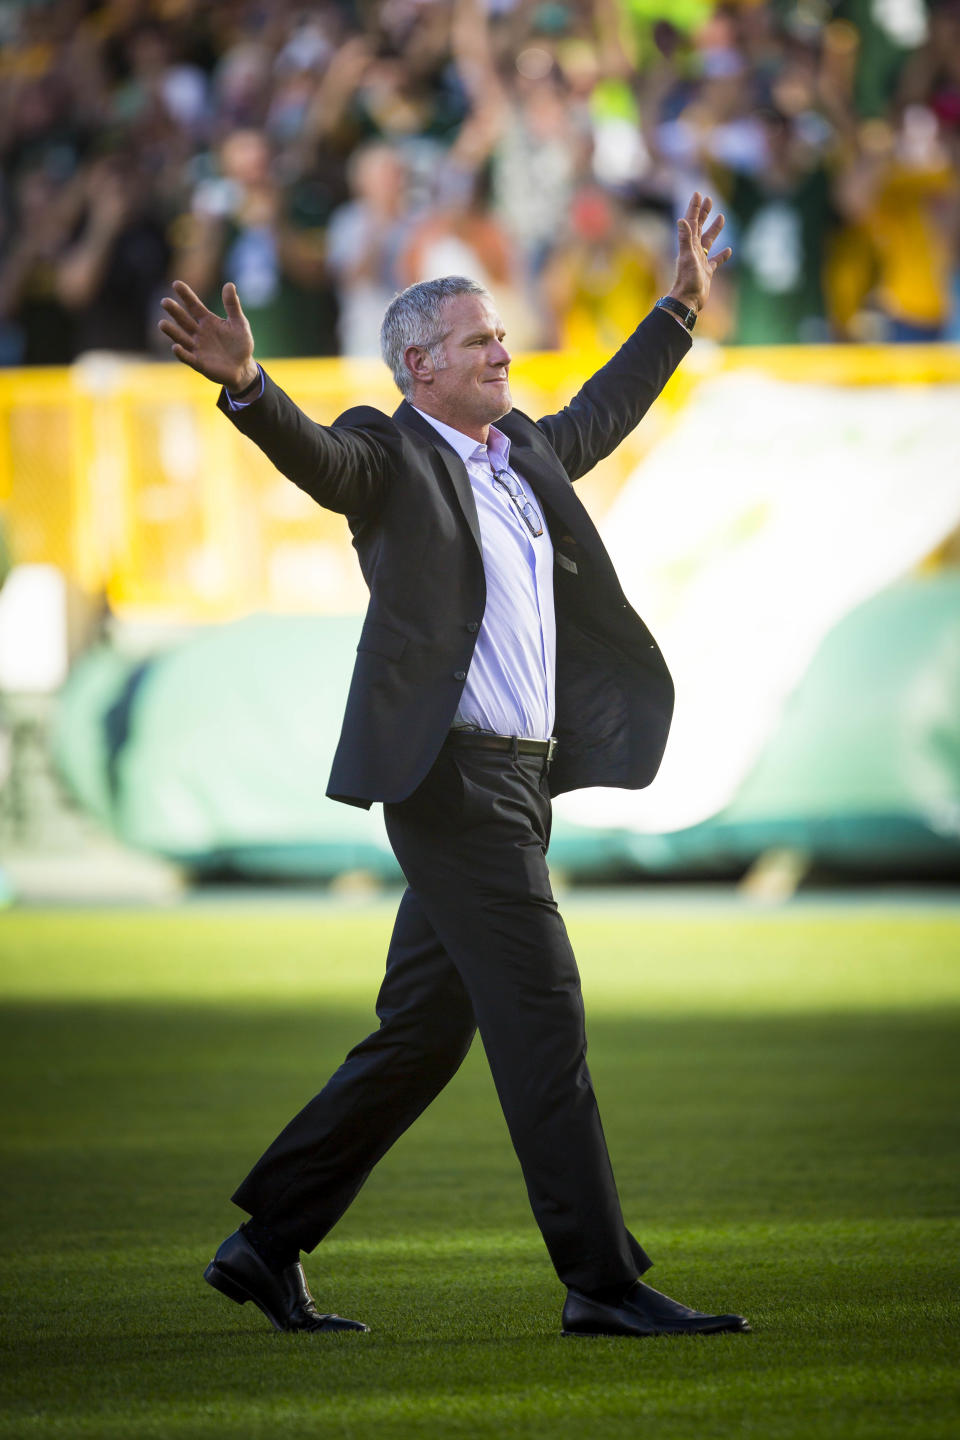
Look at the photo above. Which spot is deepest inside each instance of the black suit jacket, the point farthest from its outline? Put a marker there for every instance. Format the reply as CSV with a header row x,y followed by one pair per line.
x,y
410,506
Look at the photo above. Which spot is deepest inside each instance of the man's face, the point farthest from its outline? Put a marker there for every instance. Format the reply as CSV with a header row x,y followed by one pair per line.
x,y
471,389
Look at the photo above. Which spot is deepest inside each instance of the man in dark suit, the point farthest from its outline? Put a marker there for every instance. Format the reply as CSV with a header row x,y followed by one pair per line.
x,y
499,663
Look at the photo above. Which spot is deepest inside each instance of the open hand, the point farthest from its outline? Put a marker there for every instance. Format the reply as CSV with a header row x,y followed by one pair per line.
x,y
696,267
221,349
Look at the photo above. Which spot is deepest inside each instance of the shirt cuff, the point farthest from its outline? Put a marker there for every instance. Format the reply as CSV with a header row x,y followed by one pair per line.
x,y
249,400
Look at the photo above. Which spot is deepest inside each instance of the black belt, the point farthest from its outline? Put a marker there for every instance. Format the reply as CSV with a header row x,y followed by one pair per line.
x,y
509,744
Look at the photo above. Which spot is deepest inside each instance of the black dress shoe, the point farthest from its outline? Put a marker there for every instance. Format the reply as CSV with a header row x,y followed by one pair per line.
x,y
237,1270
642,1311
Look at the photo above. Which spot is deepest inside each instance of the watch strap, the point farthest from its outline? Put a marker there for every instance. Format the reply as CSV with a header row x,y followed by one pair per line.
x,y
687,317
247,389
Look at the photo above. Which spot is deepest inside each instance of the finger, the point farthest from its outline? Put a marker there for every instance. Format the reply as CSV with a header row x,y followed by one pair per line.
x,y
711,234
693,209
685,232
177,313
192,303
176,332
706,205
185,356
717,260
231,301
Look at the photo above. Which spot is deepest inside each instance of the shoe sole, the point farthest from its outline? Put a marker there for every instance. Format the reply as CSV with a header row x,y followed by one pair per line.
x,y
743,1329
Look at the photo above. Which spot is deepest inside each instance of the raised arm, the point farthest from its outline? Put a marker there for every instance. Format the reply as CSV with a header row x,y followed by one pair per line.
x,y
616,398
342,468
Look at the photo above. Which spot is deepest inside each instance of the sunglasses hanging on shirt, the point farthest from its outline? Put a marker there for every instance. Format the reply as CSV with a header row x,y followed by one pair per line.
x,y
506,481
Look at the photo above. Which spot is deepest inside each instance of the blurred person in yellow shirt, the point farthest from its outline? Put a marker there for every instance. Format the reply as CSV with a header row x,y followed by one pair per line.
x,y
599,273
902,193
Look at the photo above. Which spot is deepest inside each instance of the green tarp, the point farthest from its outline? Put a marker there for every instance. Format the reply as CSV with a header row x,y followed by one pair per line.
x,y
216,753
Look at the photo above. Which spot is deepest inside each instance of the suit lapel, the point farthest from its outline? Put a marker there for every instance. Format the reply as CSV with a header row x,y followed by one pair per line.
x,y
534,461
547,480
412,420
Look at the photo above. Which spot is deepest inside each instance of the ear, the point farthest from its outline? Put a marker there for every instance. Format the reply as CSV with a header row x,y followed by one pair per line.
x,y
418,362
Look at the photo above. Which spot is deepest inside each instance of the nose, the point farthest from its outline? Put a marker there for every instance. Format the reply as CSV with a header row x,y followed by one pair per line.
x,y
500,355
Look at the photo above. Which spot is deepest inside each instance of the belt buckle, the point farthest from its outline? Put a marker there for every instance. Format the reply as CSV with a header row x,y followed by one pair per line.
x,y
551,746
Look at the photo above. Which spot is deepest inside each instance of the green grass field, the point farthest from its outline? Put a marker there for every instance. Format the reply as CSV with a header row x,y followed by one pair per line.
x,y
779,1093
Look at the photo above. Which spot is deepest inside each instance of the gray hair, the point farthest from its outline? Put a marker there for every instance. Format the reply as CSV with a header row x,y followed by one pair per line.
x,y
415,317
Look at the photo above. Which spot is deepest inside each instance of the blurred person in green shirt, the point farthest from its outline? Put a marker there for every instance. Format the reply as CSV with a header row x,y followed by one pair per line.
x,y
245,225
785,215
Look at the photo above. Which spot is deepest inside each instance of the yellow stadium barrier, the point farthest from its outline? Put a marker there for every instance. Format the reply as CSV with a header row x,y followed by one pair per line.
x,y
126,477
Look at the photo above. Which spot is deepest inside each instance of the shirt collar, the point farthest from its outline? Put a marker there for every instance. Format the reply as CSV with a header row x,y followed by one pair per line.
x,y
497,447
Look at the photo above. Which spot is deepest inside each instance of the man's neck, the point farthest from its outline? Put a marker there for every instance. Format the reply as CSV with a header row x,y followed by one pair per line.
x,y
479,433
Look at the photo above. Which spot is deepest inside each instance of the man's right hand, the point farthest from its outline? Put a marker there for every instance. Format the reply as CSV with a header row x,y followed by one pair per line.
x,y
221,349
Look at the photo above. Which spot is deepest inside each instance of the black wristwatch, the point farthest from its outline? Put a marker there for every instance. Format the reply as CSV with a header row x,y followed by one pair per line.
x,y
687,318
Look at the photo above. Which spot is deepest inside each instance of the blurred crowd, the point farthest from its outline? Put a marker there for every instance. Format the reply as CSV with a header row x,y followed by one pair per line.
x,y
323,156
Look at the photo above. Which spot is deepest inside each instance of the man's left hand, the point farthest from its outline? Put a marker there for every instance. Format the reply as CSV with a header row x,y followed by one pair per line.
x,y
696,267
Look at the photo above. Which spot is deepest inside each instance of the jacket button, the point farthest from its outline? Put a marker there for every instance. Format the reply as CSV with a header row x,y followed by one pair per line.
x,y
473,627
459,674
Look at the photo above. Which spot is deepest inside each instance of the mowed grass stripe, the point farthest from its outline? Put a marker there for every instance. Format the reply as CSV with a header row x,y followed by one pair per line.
x,y
738,962
910,1401
779,1096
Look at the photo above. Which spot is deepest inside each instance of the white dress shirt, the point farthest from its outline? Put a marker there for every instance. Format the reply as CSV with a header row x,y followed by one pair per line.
x,y
509,688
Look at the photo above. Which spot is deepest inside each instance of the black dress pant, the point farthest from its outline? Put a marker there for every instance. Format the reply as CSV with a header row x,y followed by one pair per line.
x,y
478,943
